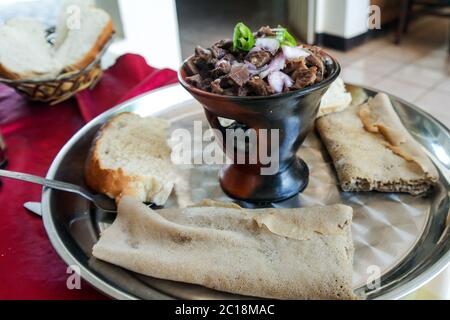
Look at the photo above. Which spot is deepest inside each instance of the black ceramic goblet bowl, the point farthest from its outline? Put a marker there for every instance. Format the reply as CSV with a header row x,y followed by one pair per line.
x,y
292,114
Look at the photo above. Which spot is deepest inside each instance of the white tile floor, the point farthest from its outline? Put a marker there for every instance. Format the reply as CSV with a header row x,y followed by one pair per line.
x,y
418,70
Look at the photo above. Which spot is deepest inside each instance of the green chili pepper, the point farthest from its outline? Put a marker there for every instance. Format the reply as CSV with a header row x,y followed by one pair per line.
x,y
285,38
243,37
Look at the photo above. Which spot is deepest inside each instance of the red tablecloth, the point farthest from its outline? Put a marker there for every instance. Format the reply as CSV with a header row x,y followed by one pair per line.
x,y
34,133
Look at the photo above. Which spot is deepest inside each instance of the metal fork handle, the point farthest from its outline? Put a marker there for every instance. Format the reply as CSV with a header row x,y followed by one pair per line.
x,y
54,184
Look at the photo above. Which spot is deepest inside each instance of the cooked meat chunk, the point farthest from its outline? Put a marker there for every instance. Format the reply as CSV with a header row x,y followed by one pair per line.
x,y
294,65
212,62
215,87
190,67
216,73
222,67
218,52
229,57
252,70
259,58
226,44
325,62
206,83
202,54
316,50
240,55
259,87
265,31
304,77
239,75
195,80
242,91
317,62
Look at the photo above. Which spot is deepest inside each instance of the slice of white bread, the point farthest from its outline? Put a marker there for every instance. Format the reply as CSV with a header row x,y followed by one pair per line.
x,y
24,51
130,156
82,41
70,9
335,99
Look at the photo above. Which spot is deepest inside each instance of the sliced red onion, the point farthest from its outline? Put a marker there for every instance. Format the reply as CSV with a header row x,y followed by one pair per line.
x,y
278,80
252,68
292,53
254,71
269,44
222,63
276,64
236,64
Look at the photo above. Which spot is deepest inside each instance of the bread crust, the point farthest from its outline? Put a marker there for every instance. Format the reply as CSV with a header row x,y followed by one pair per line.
x,y
116,183
8,74
108,181
11,75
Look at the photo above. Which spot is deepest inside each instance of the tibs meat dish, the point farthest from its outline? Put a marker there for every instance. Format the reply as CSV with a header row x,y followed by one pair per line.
x,y
263,63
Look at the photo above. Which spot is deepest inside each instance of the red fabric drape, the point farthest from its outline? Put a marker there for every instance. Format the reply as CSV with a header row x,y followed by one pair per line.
x,y
34,133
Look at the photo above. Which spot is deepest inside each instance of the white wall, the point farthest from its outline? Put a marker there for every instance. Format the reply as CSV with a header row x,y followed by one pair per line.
x,y
150,28
344,18
302,18
356,13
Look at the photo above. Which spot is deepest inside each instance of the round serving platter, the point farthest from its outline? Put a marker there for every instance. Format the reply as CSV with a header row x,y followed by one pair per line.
x,y
403,239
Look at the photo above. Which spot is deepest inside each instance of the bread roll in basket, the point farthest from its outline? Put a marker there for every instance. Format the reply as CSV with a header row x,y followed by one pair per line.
x,y
51,65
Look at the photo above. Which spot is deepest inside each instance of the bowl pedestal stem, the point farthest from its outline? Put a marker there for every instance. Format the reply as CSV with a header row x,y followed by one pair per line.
x,y
242,183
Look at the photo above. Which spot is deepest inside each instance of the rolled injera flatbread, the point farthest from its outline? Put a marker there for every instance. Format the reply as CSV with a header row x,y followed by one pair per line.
x,y
273,253
372,150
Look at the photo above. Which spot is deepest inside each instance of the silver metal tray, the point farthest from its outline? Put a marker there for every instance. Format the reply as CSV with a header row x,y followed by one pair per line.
x,y
404,238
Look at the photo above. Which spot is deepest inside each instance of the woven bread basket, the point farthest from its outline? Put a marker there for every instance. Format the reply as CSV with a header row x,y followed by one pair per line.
x,y
65,85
